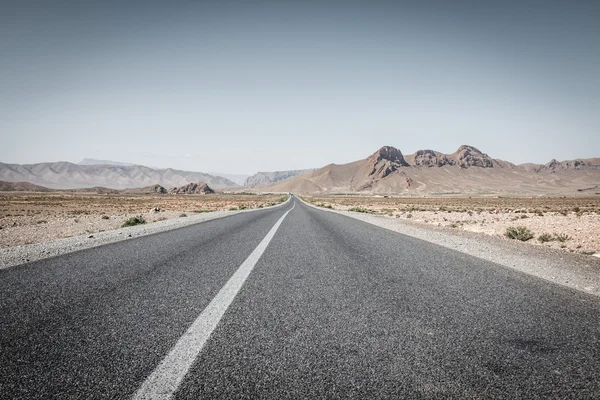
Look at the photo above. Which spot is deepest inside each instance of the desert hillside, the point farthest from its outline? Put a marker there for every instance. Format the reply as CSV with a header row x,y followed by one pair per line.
x,y
65,175
265,178
466,171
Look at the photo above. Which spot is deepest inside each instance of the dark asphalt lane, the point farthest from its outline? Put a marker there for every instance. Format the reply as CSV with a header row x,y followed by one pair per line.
x,y
334,308
95,323
337,308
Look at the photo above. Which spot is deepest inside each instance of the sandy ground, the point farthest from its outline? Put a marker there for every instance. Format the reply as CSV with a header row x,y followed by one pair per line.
x,y
28,218
571,224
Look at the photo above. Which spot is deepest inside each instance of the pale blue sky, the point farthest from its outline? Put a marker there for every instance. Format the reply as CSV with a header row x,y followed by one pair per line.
x,y
244,86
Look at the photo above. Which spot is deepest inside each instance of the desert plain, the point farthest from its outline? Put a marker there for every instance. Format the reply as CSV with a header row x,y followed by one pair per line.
x,y
27,218
571,224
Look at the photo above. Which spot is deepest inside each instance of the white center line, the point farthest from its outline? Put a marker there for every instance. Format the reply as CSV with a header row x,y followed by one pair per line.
x,y
166,378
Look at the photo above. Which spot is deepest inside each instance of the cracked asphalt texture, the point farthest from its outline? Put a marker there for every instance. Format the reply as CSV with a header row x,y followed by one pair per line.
x,y
335,308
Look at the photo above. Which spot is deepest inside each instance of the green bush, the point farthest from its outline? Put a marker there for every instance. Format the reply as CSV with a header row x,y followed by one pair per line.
x,y
519,232
545,237
134,221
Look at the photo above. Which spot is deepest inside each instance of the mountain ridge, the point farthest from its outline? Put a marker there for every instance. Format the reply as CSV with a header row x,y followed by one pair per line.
x,y
467,170
66,175
266,177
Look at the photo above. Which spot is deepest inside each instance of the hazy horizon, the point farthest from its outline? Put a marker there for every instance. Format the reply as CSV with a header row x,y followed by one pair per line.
x,y
240,87
85,161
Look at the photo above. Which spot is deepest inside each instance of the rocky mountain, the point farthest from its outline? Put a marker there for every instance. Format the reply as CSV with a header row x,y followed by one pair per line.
x,y
192,188
571,165
467,170
65,175
265,178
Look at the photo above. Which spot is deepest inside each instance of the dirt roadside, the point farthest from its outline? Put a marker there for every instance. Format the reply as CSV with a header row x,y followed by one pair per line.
x,y
29,218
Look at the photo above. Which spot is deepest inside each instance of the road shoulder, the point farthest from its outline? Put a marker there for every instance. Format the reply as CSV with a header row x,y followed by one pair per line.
x,y
572,270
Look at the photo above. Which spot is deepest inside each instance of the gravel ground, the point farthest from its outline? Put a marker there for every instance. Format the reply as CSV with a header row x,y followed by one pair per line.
x,y
16,255
573,270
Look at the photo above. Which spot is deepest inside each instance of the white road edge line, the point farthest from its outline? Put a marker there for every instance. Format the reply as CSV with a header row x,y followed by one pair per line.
x,y
164,381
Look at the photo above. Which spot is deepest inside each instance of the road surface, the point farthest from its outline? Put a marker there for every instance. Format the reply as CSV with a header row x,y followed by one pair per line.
x,y
290,302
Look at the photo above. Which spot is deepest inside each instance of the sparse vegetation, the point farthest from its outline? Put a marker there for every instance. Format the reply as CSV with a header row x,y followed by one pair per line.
x,y
561,237
66,212
233,208
361,210
521,233
134,221
202,211
322,205
545,237
182,215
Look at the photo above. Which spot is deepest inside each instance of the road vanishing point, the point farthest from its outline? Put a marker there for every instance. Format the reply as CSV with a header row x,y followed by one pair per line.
x,y
290,302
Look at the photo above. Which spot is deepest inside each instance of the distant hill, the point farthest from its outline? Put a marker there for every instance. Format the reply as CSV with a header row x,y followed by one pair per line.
x,y
192,188
65,175
265,178
21,187
152,189
466,171
238,179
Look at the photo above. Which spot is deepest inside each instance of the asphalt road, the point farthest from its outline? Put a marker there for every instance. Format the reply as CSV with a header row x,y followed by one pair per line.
x,y
333,308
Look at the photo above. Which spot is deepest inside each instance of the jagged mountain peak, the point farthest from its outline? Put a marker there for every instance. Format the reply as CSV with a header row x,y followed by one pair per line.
x,y
472,149
468,156
390,153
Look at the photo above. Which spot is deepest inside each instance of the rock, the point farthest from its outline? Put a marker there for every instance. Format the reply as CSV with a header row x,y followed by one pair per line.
x,y
192,188
469,156
431,158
